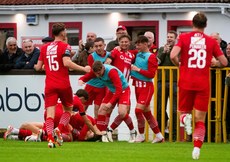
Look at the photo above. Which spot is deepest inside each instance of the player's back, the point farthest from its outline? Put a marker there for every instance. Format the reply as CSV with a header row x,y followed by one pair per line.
x,y
57,75
197,50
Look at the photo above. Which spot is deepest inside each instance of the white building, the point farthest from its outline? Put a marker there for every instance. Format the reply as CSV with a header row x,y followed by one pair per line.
x,y
34,18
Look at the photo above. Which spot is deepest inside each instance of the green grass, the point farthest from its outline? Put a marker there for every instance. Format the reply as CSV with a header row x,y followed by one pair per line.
x,y
20,151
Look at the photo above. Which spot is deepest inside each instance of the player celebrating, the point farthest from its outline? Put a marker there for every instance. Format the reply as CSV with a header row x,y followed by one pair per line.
x,y
118,92
196,50
56,58
143,71
121,58
95,88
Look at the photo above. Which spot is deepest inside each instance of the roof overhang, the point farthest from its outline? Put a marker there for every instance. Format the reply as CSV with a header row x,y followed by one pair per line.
x,y
224,8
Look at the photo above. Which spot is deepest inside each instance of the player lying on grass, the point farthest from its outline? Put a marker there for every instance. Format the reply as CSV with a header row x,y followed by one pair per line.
x,y
81,123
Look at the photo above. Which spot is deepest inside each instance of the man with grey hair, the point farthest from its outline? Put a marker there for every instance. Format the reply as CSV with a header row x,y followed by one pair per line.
x,y
151,45
10,54
30,56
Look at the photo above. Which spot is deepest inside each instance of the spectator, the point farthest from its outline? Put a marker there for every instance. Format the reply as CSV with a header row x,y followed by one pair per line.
x,y
83,55
90,37
47,40
164,60
215,65
10,54
30,56
221,42
152,47
121,30
228,53
223,45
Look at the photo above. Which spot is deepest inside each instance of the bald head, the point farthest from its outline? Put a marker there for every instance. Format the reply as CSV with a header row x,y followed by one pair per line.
x,y
216,36
90,37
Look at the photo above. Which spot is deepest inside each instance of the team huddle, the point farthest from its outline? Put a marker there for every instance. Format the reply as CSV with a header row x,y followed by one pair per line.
x,y
106,85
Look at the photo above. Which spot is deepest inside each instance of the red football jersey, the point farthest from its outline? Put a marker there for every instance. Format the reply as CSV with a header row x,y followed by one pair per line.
x,y
77,122
77,104
122,60
57,75
197,50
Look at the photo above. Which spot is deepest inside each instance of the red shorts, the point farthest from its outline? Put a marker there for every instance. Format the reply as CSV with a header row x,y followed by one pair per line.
x,y
189,99
53,94
123,99
144,92
95,94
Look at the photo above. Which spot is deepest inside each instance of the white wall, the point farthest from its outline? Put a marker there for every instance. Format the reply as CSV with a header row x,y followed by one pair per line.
x,y
105,24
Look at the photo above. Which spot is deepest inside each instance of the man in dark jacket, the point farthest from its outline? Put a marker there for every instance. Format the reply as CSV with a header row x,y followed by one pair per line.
x,y
10,54
30,56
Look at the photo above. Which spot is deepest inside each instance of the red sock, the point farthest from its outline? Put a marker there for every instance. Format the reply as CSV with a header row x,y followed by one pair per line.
x,y
101,122
140,120
107,120
199,133
49,126
64,120
127,119
117,121
50,137
152,122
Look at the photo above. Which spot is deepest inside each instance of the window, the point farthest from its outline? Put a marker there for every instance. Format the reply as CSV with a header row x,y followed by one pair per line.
x,y
73,37
7,30
74,32
136,28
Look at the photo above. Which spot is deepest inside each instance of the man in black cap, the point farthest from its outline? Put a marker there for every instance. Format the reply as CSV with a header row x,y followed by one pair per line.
x,y
47,39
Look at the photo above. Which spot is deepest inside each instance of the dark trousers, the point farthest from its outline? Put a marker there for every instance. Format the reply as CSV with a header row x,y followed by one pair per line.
x,y
159,104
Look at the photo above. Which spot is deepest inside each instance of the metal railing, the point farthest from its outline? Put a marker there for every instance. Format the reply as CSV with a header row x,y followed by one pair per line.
x,y
216,116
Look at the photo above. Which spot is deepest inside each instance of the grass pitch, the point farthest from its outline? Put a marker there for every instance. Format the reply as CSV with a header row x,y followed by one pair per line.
x,y
21,151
